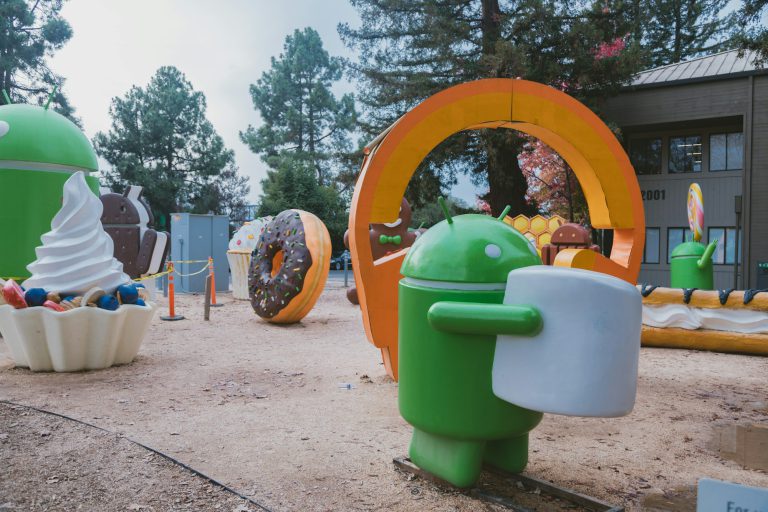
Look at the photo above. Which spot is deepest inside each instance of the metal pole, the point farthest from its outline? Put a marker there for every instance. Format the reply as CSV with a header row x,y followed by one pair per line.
x,y
737,209
346,268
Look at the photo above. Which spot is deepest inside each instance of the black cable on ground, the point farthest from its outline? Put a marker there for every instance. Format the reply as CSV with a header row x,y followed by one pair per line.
x,y
163,455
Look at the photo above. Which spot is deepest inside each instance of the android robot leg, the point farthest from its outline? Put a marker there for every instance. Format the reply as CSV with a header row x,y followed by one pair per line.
x,y
457,461
510,455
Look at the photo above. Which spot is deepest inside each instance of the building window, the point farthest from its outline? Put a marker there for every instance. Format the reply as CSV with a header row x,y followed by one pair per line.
x,y
651,254
645,155
685,154
676,236
725,254
726,151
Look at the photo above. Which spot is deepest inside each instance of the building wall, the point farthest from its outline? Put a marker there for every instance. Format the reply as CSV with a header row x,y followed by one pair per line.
x,y
673,104
703,108
758,228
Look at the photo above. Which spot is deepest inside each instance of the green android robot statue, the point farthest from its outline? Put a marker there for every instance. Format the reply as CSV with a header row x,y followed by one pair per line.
x,y
691,266
39,150
450,311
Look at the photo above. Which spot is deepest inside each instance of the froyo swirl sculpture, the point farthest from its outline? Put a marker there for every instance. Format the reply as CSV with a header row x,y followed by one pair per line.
x,y
77,254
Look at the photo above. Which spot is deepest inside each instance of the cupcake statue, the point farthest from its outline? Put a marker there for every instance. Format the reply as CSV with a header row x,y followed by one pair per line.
x,y
241,248
79,310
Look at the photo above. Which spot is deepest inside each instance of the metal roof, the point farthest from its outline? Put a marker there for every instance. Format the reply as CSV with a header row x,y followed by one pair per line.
x,y
709,67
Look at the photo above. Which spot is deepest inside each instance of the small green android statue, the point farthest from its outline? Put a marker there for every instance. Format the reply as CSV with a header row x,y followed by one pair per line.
x,y
691,262
450,312
39,150
691,266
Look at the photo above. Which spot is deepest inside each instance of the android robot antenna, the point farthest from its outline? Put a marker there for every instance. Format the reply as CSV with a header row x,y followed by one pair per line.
x,y
444,207
153,450
50,97
6,97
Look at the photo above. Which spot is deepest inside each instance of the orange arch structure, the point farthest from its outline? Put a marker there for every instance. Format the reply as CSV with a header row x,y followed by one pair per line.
x,y
570,128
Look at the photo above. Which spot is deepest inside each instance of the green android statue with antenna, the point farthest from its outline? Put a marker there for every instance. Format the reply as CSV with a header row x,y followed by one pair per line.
x,y
691,262
39,150
450,312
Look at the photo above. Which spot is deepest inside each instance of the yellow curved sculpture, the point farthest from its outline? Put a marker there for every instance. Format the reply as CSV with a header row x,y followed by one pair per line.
x,y
570,128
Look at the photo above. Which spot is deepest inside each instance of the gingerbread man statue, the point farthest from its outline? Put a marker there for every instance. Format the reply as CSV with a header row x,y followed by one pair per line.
x,y
387,238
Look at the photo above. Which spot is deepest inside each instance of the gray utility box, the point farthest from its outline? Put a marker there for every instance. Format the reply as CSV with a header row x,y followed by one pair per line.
x,y
195,237
762,275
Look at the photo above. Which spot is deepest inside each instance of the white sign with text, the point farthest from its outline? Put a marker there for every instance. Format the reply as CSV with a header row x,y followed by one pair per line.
x,y
717,496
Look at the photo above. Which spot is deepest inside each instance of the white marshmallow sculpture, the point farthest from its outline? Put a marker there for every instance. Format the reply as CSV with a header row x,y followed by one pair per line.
x,y
584,360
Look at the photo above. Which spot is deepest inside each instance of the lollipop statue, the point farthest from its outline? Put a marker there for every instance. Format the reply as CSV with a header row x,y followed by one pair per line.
x,y
691,264
696,211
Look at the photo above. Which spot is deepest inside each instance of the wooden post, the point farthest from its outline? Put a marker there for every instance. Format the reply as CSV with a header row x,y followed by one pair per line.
x,y
207,303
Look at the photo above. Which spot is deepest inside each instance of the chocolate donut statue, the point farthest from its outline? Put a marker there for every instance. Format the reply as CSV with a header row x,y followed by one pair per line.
x,y
128,219
387,238
289,267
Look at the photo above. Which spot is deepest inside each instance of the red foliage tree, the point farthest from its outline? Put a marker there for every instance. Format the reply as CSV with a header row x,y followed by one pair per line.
x,y
552,184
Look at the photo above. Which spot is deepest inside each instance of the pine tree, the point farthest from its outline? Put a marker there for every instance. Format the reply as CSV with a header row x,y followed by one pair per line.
x,y
411,49
755,32
160,138
303,121
295,186
30,32
681,29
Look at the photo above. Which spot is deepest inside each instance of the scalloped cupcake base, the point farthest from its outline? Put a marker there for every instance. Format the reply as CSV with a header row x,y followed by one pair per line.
x,y
239,264
80,339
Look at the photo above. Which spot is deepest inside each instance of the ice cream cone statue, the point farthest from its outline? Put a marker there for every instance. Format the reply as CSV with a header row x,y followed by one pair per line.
x,y
79,311
240,252
77,254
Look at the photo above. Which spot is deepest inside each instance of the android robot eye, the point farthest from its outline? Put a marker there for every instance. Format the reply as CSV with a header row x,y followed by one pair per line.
x,y
4,128
532,248
492,251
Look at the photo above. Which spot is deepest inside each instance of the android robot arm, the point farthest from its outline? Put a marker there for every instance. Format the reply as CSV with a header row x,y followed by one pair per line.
x,y
478,318
707,256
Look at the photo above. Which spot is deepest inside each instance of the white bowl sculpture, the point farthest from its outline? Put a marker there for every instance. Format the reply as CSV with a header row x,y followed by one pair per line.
x,y
83,338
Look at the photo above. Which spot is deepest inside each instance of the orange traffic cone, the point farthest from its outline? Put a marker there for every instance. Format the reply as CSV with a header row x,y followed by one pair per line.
x,y
171,297
212,273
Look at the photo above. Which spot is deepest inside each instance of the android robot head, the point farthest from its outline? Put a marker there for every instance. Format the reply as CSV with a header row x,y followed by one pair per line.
x,y
469,249
445,387
39,150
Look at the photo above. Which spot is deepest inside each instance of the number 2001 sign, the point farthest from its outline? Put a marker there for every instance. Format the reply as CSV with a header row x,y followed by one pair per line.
x,y
654,195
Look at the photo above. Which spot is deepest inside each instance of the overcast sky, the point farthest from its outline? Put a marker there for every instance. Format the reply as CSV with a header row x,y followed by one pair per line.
x,y
222,47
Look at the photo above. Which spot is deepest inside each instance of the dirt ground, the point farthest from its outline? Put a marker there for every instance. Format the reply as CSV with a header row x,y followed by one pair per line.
x,y
56,464
267,410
